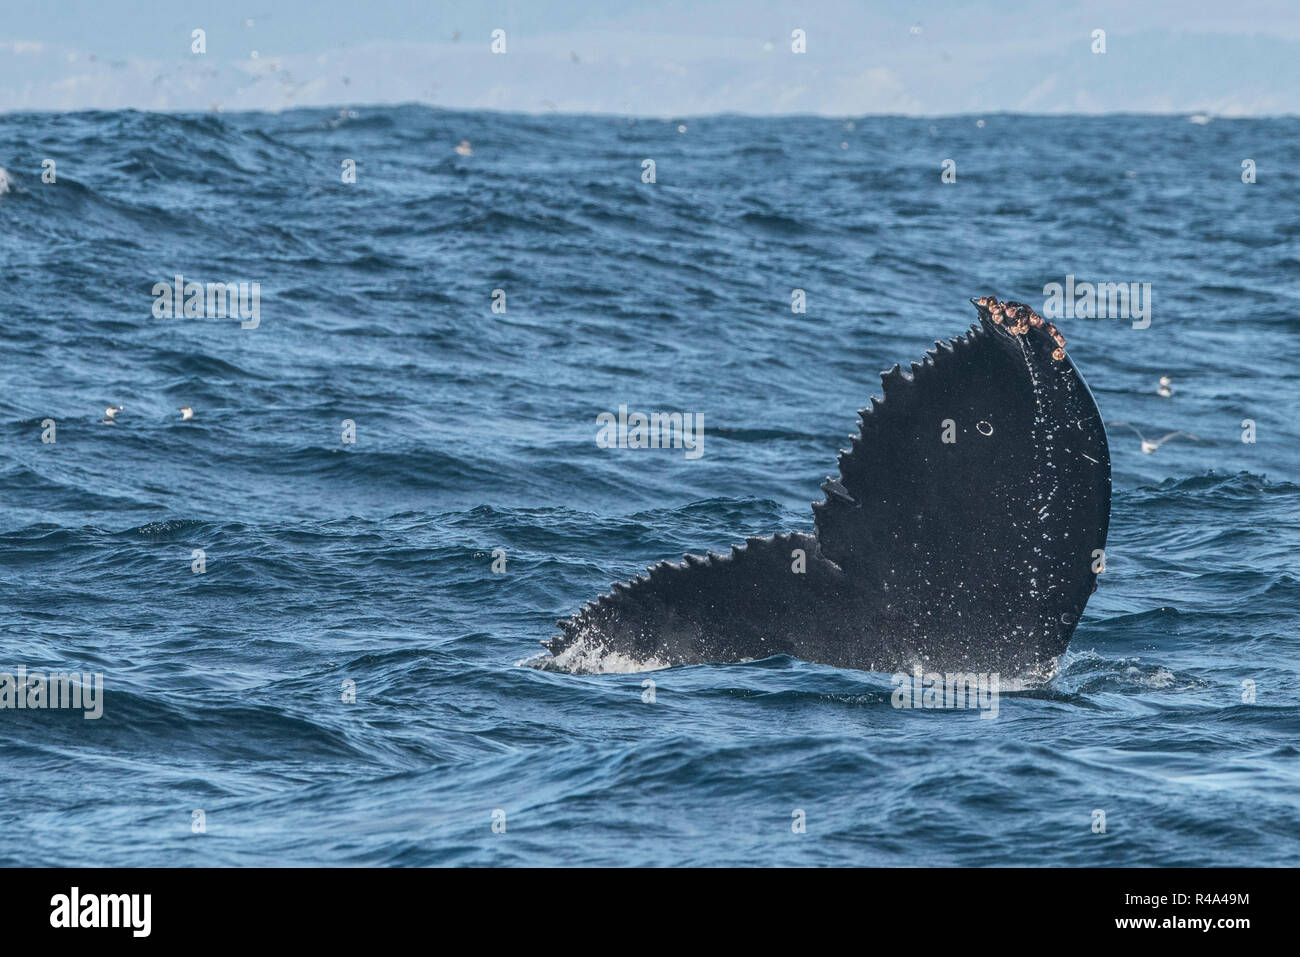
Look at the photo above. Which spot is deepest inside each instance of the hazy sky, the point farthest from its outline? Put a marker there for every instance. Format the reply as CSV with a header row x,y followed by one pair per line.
x,y
651,58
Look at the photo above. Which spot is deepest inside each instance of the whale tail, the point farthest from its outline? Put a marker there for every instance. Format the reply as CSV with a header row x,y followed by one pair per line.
x,y
963,533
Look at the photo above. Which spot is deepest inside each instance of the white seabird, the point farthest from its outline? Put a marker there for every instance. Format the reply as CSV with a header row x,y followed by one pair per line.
x,y
1150,445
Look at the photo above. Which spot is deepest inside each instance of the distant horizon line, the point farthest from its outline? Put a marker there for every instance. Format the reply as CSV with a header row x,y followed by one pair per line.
x,y
660,117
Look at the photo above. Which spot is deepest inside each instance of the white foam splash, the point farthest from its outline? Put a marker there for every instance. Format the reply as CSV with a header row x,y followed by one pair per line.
x,y
1161,677
581,658
4,181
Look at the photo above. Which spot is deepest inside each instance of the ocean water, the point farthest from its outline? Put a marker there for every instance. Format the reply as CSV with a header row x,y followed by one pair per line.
x,y
372,562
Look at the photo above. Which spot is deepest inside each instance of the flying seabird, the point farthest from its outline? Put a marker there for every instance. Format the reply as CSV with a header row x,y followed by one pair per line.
x,y
1150,445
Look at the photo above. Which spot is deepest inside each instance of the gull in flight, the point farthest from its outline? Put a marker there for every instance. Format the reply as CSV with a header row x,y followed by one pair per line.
x,y
1165,389
186,413
1150,445
110,414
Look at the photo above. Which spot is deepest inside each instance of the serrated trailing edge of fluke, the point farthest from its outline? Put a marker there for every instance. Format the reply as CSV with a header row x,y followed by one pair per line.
x,y
895,383
892,382
666,570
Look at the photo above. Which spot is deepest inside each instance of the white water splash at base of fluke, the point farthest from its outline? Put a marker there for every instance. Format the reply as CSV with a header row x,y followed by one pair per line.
x,y
1038,677
589,656
582,658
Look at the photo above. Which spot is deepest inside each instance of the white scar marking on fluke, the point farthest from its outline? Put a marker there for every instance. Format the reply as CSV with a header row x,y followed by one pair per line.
x,y
1042,438
1046,437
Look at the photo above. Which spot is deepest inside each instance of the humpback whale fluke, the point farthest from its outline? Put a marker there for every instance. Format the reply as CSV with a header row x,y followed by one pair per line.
x,y
961,535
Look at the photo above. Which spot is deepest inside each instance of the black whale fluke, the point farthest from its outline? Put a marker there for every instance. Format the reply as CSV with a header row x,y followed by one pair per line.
x,y
961,534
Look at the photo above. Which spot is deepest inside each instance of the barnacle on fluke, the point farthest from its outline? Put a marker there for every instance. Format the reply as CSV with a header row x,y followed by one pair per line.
x,y
961,535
